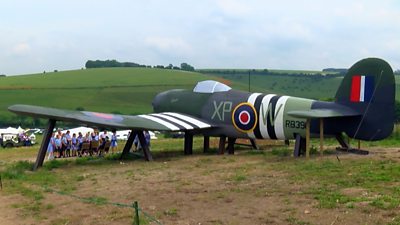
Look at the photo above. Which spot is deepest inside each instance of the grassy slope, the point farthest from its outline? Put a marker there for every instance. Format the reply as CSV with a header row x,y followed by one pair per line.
x,y
307,87
124,90
131,90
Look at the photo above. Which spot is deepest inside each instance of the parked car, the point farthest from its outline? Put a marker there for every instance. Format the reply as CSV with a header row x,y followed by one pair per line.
x,y
10,140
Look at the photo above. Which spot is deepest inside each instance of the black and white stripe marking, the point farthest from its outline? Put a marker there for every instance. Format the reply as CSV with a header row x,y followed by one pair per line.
x,y
176,121
264,128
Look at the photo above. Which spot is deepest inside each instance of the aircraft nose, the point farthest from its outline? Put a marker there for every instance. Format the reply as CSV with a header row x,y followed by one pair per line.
x,y
158,101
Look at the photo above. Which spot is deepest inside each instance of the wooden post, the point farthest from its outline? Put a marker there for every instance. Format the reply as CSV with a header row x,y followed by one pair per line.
x,y
45,143
206,144
221,148
136,216
128,144
188,145
308,138
359,144
321,136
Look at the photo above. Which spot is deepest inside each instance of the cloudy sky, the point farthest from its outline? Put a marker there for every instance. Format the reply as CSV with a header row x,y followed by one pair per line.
x,y
304,34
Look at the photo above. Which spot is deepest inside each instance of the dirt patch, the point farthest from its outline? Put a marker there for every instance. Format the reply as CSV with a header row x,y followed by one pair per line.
x,y
199,189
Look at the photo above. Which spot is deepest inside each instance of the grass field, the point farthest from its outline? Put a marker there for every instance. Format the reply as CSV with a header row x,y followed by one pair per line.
x,y
305,86
131,90
118,90
250,187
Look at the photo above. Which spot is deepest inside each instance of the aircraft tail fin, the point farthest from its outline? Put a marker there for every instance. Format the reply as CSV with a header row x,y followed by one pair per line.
x,y
369,89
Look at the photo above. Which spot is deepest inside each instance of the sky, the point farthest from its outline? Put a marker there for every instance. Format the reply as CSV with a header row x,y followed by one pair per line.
x,y
47,35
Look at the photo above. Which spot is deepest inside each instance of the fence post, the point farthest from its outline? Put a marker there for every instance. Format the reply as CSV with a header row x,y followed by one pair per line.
x,y
136,216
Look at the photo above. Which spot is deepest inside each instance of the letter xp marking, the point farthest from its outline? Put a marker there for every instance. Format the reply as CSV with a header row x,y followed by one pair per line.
x,y
244,117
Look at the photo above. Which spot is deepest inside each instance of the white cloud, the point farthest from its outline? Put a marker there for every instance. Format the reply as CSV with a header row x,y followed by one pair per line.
x,y
21,49
303,34
234,7
169,44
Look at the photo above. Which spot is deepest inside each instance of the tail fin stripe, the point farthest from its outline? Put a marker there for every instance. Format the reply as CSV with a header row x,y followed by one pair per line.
x,y
355,88
362,88
368,88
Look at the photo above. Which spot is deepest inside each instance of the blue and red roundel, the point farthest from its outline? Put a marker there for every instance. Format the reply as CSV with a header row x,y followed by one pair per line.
x,y
244,117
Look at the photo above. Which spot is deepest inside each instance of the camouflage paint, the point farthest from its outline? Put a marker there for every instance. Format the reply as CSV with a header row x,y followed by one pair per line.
x,y
293,125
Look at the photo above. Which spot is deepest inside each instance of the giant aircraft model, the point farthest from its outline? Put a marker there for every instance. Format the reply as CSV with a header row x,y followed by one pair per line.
x,y
363,109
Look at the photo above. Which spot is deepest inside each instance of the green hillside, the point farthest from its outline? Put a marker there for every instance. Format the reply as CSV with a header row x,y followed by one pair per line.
x,y
307,86
304,86
114,90
131,90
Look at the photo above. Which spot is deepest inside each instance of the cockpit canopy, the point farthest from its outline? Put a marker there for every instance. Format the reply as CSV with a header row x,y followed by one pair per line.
x,y
210,86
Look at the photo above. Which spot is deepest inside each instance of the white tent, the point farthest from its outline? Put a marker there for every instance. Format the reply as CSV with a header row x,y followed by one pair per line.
x,y
11,130
76,130
123,135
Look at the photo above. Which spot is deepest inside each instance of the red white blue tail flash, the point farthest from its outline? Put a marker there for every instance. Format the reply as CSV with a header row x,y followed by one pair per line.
x,y
362,88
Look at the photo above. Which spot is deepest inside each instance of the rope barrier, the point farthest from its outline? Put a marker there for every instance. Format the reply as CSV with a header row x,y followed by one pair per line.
x,y
97,201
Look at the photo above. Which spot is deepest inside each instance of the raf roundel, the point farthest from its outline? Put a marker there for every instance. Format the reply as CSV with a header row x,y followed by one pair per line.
x,y
244,117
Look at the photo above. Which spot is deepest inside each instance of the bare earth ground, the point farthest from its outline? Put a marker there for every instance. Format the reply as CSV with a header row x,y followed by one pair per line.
x,y
199,189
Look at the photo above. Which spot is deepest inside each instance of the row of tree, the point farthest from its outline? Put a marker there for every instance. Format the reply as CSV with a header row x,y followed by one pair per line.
x,y
266,72
114,63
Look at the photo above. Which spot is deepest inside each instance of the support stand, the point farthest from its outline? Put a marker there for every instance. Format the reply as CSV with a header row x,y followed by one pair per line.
x,y
221,148
299,146
206,144
254,144
321,136
45,143
345,147
145,146
128,144
308,123
188,146
231,146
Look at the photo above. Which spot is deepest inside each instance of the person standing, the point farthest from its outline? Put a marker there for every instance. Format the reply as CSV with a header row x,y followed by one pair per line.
x,y
103,140
114,145
51,148
64,143
58,145
74,145
80,140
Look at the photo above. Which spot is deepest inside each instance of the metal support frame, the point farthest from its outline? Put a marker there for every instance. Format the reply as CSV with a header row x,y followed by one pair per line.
x,y
308,123
221,147
231,145
299,146
321,136
128,144
345,147
145,146
342,142
206,144
188,145
254,144
45,143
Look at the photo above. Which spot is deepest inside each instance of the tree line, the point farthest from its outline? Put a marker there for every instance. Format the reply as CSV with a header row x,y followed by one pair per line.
x,y
266,72
114,63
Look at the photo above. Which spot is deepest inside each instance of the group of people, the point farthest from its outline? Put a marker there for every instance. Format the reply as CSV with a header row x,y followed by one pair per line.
x,y
63,145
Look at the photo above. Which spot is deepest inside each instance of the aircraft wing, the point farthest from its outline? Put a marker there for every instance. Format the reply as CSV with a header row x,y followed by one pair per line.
x,y
322,113
166,121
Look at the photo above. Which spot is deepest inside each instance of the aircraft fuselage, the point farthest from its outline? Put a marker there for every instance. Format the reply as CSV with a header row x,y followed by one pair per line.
x,y
239,114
